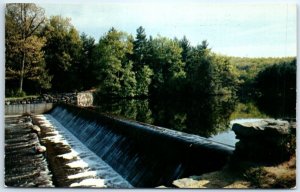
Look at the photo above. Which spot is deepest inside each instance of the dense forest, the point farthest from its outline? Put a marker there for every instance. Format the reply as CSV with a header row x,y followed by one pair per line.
x,y
49,55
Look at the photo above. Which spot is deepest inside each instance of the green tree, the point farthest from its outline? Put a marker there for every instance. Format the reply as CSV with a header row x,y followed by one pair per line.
x,y
186,48
198,69
128,81
143,77
62,52
86,70
142,71
114,69
278,79
24,55
209,73
167,66
224,76
249,68
139,49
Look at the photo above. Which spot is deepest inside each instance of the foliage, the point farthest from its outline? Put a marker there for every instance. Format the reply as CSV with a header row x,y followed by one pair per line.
x,y
208,73
276,85
143,77
279,79
24,55
114,68
248,69
247,110
142,70
204,116
186,48
167,65
134,109
85,71
14,93
43,52
61,52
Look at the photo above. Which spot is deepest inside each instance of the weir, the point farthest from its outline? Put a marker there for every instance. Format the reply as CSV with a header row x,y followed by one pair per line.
x,y
144,155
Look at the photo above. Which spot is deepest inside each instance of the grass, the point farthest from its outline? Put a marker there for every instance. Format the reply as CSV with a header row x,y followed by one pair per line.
x,y
20,98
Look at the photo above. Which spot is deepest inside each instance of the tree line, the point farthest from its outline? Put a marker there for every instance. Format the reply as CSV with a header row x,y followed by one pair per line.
x,y
49,55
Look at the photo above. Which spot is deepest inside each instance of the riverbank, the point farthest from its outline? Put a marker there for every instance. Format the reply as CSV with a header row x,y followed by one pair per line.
x,y
281,176
263,158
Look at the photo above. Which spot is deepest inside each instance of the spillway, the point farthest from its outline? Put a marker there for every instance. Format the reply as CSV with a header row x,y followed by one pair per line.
x,y
139,155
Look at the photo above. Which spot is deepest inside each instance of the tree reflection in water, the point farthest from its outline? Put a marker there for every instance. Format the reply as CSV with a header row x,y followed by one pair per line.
x,y
204,116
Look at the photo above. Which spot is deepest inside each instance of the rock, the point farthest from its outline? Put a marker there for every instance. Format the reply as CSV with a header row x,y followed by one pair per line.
x,y
293,128
263,141
188,183
85,99
36,128
28,124
27,119
161,187
262,128
40,149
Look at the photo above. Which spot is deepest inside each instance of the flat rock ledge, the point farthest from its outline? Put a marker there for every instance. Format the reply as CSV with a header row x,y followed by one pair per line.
x,y
25,161
266,141
261,128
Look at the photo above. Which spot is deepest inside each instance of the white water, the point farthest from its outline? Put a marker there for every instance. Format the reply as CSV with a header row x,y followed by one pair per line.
x,y
93,165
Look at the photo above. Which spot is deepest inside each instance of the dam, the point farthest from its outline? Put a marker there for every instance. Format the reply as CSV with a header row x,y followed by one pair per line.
x,y
85,148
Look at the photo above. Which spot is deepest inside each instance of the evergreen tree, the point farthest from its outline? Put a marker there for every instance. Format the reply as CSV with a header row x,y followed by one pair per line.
x,y
186,48
141,68
86,70
139,49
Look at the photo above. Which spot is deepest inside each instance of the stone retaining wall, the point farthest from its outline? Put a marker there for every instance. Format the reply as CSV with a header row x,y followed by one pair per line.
x,y
80,99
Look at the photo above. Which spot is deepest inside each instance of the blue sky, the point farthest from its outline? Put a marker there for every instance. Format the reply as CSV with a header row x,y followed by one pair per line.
x,y
247,30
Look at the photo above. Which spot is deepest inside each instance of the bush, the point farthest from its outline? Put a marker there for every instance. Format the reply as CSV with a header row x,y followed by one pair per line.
x,y
15,93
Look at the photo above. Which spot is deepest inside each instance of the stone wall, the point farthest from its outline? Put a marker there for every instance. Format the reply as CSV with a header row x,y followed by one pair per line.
x,y
80,99
85,99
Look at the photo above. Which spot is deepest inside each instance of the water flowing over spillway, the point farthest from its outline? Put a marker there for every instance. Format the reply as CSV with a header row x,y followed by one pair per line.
x,y
91,170
134,154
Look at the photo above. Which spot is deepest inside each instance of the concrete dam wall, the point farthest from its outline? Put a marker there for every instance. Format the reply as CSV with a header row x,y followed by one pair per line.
x,y
144,155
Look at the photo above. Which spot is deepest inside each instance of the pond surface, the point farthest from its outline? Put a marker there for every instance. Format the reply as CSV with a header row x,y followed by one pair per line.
x,y
209,117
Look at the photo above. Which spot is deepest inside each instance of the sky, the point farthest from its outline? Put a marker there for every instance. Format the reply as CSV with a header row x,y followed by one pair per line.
x,y
246,30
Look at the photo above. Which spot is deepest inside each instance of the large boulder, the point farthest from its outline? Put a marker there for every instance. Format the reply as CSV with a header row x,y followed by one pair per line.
x,y
261,128
266,140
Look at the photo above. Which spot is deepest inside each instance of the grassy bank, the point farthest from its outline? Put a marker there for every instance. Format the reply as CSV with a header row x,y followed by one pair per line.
x,y
21,98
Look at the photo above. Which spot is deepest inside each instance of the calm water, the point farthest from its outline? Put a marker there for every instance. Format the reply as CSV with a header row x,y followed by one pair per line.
x,y
209,117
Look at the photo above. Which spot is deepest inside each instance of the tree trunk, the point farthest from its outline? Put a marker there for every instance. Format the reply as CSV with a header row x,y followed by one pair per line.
x,y
23,17
22,73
